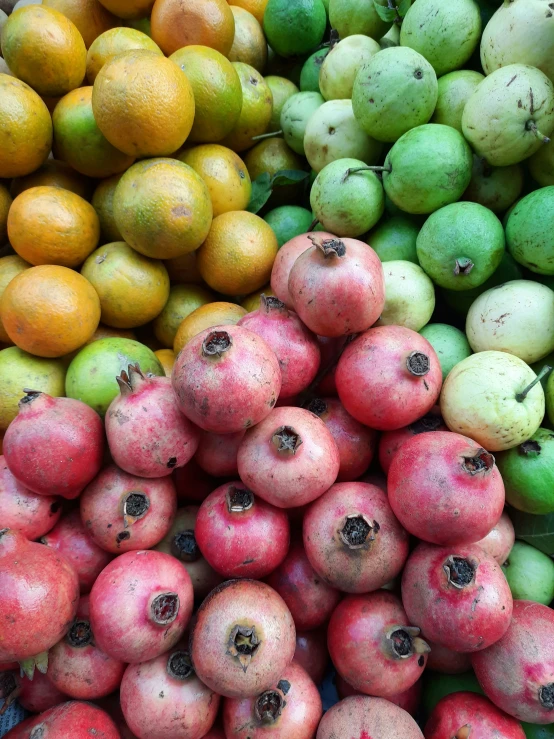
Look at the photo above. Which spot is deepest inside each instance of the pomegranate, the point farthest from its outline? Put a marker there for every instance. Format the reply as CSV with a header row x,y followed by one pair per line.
x,y
352,538
226,379
500,539
122,512
408,700
192,483
391,441
445,489
372,645
291,708
147,434
458,596
355,442
243,638
241,535
331,349
377,478
140,605
180,541
112,705
54,445
337,286
72,719
445,660
388,377
286,257
40,693
217,453
517,672
467,715
362,717
164,699
311,653
310,600
290,458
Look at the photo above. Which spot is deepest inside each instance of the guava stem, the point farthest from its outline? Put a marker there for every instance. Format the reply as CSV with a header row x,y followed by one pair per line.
x,y
532,126
266,135
353,170
313,224
520,397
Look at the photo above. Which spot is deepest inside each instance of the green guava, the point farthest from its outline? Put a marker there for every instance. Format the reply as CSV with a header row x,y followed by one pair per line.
x,y
349,17
455,89
333,133
530,231
292,29
541,165
437,686
497,188
409,296
530,574
309,76
395,239
536,731
393,92
342,63
295,114
510,114
288,221
281,89
449,343
391,37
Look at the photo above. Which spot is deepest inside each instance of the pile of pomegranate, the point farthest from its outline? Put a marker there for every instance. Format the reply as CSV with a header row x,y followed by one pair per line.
x,y
187,568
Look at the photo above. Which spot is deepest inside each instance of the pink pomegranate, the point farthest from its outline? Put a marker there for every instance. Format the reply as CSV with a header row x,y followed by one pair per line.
x,y
517,672
471,716
377,478
388,377
311,653
373,646
112,705
337,286
290,708
500,539
241,535
140,605
391,441
226,378
192,483
331,350
147,434
164,699
445,489
458,596
286,257
408,700
217,453
356,443
40,592
72,719
122,512
180,542
290,458
445,660
352,538
215,732
310,600
243,638
39,694
362,717
54,445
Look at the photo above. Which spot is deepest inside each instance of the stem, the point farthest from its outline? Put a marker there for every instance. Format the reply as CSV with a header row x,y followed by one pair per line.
x,y
313,224
532,126
353,170
266,135
520,397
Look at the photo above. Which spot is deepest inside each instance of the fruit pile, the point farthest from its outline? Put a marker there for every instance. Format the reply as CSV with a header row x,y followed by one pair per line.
x,y
276,350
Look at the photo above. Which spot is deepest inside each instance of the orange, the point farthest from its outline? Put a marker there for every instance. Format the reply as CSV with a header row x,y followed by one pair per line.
x,y
183,299
129,9
257,103
132,289
44,48
211,314
78,140
252,301
90,17
48,225
184,269
217,91
238,254
273,155
143,104
54,174
25,128
249,45
166,358
140,24
224,173
106,332
178,23
49,310
116,41
256,7
10,267
102,202
5,202
162,208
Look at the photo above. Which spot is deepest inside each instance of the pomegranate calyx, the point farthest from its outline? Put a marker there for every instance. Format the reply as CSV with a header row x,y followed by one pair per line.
x,y
164,608
286,440
268,706
124,383
481,462
463,733
29,397
418,364
317,406
37,732
184,546
332,248
79,634
216,343
135,506
243,644
358,532
239,500
2,532
460,571
38,662
546,696
404,642
429,422
136,377
271,304
179,665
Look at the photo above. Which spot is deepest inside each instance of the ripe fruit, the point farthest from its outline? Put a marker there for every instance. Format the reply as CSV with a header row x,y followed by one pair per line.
x,y
199,22
529,231
39,694
455,89
306,17
391,441
129,9
448,662
351,17
115,41
295,114
311,653
256,109
474,714
90,17
449,342
342,63
530,574
217,453
286,257
497,188
53,173
362,716
500,539
410,296
206,316
249,44
182,301
76,719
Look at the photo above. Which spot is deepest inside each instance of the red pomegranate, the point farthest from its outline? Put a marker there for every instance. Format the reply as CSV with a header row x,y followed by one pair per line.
x,y
500,539
217,453
192,483
470,715
331,350
39,694
409,700
362,717
445,660
391,441
74,719
286,257
311,653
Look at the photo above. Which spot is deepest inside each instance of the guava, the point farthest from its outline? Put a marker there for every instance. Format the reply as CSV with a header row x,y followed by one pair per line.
x,y
530,574
427,168
510,115
391,37
436,685
449,343
333,133
395,238
347,204
549,394
530,231
541,165
455,89
536,731
288,221
409,296
342,63
350,17
295,114
281,89
294,28
444,33
520,32
393,92
497,188
309,76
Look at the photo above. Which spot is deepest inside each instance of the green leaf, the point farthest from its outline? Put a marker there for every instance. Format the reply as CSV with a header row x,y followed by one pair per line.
x,y
262,188
403,7
385,14
535,530
289,177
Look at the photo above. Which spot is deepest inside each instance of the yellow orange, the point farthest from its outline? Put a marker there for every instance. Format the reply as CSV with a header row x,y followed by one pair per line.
x,y
178,23
5,203
249,45
106,332
10,267
257,103
184,269
102,202
166,357
182,301
252,301
129,9
116,41
256,7
90,17
212,314
53,173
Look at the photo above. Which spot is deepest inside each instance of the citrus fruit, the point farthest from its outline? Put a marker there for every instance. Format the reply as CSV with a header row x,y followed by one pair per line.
x,y
166,357
5,202
129,9
53,173
102,202
78,140
140,24
19,370
178,23
281,90
49,225
183,299
49,310
255,114
105,332
224,173
252,301
273,155
249,45
10,267
116,41
90,17
143,104
162,208
294,28
211,314
44,49
133,289
288,221
25,128
237,256
184,269
256,7
91,376
217,91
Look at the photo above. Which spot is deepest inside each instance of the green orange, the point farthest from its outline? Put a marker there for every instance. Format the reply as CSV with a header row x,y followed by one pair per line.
x,y
182,301
257,106
102,202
